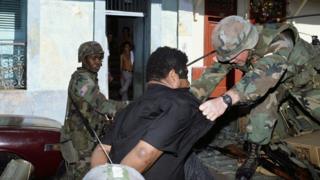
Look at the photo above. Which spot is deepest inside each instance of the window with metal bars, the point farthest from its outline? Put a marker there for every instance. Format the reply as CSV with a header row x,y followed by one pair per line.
x,y
126,5
10,14
12,44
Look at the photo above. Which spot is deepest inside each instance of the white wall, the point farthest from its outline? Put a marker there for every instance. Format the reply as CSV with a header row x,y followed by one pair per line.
x,y
182,27
197,37
169,20
155,26
64,25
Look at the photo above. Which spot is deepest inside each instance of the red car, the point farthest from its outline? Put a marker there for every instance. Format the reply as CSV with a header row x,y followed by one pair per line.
x,y
35,139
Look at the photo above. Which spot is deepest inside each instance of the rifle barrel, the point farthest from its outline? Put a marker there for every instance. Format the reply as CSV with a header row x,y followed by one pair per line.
x,y
194,61
301,16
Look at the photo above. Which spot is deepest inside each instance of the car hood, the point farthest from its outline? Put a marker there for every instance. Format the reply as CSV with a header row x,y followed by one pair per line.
x,y
28,121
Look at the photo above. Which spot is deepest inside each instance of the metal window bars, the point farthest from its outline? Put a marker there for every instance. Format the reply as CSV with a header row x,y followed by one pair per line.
x,y
126,5
12,65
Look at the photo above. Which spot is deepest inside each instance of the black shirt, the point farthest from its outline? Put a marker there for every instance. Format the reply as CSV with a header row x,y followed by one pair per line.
x,y
168,119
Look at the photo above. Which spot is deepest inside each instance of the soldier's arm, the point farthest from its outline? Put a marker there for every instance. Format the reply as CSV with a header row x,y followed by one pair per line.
x,y
203,87
109,106
256,83
267,71
87,97
142,156
266,74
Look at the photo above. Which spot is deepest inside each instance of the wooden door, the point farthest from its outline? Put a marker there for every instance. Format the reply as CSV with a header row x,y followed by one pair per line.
x,y
215,10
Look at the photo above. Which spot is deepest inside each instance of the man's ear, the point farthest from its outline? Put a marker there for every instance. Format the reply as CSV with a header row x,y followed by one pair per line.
x,y
84,62
171,74
173,79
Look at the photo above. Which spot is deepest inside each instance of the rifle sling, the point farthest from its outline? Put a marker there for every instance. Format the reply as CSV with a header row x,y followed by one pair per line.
x,y
84,121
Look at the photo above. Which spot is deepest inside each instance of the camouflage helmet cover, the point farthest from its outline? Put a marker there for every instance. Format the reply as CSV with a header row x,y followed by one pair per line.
x,y
89,48
232,35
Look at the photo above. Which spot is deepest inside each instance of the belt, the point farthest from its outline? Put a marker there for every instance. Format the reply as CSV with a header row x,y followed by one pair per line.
x,y
126,70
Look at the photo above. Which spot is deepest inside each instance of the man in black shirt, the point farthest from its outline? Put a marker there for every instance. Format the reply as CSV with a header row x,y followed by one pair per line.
x,y
155,133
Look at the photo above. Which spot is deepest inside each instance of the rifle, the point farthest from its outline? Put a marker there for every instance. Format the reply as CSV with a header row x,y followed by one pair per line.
x,y
272,161
194,61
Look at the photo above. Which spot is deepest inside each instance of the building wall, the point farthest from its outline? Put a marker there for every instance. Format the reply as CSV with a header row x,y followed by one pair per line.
x,y
178,24
306,26
243,8
191,30
169,20
55,30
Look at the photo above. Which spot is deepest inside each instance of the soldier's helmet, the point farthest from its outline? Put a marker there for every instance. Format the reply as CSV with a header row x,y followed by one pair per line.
x,y
231,36
89,48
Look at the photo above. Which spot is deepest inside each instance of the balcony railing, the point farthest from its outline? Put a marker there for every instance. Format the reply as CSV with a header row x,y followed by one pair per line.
x,y
12,65
126,5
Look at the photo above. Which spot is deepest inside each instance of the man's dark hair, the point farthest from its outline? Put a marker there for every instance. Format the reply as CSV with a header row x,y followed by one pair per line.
x,y
163,60
126,29
124,44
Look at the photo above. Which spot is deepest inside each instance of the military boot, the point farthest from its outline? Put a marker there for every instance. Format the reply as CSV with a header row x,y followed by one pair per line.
x,y
248,168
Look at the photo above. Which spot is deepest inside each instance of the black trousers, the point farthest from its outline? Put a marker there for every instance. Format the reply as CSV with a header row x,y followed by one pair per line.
x,y
195,170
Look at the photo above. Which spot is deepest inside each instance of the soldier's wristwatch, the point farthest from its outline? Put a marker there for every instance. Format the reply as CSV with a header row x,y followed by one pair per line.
x,y
227,100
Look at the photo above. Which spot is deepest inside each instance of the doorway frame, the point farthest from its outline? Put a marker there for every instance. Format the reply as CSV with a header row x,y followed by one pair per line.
x,y
139,79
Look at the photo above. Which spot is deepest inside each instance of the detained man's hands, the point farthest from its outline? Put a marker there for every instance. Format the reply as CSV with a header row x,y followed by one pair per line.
x,y
98,156
213,108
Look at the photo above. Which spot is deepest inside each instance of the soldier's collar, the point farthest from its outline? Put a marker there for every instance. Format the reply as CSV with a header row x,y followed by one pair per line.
x,y
82,69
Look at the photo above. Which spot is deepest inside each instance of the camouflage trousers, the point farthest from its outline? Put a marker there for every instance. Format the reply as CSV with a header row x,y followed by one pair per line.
x,y
263,116
76,171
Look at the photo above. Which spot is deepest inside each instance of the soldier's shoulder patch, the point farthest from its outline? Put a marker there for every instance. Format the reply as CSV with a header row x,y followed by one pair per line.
x,y
84,89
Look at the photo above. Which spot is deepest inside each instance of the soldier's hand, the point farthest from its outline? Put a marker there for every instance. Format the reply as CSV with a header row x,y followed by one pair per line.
x,y
213,108
120,104
112,112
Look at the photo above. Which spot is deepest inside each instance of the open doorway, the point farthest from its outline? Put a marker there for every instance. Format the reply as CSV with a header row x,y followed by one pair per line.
x,y
121,31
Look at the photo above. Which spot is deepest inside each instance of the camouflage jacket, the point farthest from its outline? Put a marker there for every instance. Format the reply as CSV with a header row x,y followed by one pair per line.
x,y
279,57
85,101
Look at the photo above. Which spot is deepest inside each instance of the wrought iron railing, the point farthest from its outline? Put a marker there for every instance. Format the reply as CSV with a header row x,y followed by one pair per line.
x,y
12,65
126,5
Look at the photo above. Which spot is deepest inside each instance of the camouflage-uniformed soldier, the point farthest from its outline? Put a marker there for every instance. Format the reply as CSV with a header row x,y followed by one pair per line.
x,y
85,104
276,62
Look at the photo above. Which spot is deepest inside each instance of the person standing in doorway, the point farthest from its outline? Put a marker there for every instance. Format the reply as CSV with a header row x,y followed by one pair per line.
x,y
126,67
127,37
